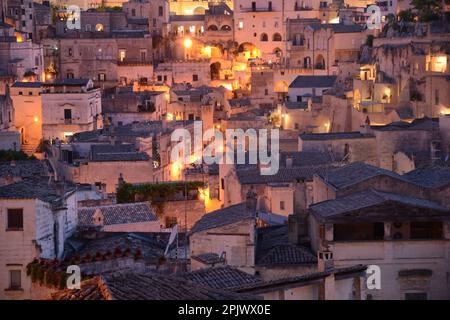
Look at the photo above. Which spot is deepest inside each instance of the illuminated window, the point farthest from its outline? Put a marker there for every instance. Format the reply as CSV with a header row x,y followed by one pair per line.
x,y
241,25
99,27
122,54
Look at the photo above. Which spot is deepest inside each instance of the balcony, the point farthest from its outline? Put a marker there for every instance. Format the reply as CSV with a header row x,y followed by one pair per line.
x,y
254,9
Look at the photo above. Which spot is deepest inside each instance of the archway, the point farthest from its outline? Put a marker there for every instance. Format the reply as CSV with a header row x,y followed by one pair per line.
x,y
225,28
278,52
249,50
215,70
264,37
320,62
213,27
276,37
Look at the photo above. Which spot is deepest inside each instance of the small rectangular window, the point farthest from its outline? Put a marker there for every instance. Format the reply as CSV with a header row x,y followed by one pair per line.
x,y
15,279
194,77
282,207
15,219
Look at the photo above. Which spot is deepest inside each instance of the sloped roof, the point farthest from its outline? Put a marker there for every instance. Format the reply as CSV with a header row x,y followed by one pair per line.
x,y
122,152
19,84
223,277
223,217
313,82
355,173
252,174
24,168
430,177
118,214
274,249
129,285
334,136
339,207
41,188
422,124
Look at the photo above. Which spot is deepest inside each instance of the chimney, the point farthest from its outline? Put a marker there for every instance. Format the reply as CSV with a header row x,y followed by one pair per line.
x,y
251,200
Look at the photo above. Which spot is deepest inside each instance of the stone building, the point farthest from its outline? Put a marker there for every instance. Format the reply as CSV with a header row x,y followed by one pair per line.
x,y
39,216
70,106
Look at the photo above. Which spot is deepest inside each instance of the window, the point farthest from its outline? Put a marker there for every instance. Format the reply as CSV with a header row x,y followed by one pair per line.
x,y
15,281
282,205
426,230
70,75
241,25
160,11
30,93
69,52
171,222
67,114
31,17
222,183
270,6
195,77
133,12
253,6
296,126
102,77
266,92
15,219
436,96
20,93
159,78
143,55
122,54
416,296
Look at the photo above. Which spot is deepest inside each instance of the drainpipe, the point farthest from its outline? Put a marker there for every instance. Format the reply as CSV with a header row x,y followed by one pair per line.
x,y
328,54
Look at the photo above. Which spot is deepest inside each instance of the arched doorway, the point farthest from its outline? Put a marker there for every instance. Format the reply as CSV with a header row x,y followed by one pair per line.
x,y
215,70
249,50
320,62
278,52
264,37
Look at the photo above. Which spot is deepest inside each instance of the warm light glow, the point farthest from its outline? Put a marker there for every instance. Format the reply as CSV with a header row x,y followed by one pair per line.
x,y
334,20
36,119
188,12
19,38
204,194
187,43
207,51
169,117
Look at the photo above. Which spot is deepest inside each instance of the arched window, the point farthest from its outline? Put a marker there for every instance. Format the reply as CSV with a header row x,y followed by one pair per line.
x,y
264,37
213,27
99,27
225,28
276,37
